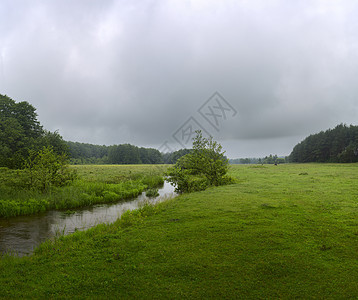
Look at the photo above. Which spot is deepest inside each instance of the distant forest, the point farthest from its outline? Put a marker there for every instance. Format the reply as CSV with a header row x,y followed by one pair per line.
x,y
21,134
82,153
333,145
271,159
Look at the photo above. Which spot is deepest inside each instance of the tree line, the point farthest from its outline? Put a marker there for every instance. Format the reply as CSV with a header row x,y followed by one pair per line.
x,y
21,134
83,153
333,145
270,159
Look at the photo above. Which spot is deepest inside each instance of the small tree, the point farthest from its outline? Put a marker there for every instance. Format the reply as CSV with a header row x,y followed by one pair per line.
x,y
206,165
46,168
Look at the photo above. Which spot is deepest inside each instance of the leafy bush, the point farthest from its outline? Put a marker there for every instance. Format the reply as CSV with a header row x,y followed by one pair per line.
x,y
152,193
197,183
205,166
46,168
13,179
109,196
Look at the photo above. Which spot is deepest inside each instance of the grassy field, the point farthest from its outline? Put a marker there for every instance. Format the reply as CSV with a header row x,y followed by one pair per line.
x,y
118,173
287,231
95,184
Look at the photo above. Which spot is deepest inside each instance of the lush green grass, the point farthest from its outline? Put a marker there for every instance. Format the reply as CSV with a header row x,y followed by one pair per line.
x,y
96,184
287,231
118,173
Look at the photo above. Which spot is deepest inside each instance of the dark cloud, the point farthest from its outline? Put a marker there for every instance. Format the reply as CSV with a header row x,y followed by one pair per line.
x,y
134,71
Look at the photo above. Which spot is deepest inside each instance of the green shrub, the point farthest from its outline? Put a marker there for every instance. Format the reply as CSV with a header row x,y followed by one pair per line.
x,y
226,179
197,183
109,196
13,179
46,168
205,166
152,193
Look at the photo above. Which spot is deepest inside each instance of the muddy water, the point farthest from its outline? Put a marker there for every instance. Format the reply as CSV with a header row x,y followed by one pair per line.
x,y
20,235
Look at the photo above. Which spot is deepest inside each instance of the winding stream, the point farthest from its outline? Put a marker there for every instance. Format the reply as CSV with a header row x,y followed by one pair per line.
x,y
22,234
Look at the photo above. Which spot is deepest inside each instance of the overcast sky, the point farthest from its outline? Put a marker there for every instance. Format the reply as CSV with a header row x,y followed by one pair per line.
x,y
146,72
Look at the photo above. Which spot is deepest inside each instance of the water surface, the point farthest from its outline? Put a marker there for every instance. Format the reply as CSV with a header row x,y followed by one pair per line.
x,y
22,234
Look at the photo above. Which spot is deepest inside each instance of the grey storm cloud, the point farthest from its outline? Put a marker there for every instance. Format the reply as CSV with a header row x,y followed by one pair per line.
x,y
110,72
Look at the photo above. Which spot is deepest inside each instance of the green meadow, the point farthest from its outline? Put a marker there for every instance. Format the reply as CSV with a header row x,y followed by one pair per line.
x,y
281,232
95,184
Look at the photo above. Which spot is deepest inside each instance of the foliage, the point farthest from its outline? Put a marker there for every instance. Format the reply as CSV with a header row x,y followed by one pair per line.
x,y
129,154
150,156
46,169
152,192
55,141
21,132
271,159
333,145
124,154
172,157
206,165
185,178
81,153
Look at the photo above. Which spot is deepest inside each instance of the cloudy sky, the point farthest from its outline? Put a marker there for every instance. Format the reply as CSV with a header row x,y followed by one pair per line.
x,y
147,72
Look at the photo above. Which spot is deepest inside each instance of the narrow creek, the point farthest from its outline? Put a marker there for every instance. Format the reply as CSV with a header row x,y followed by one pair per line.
x,y
20,235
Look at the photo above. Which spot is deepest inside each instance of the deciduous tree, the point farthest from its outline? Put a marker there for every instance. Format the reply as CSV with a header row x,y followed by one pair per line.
x,y
206,165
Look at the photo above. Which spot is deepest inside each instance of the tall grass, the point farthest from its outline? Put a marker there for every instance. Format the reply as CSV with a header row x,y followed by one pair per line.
x,y
11,208
96,184
83,193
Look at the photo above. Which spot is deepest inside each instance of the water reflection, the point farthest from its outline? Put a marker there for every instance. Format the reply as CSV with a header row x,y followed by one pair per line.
x,y
21,235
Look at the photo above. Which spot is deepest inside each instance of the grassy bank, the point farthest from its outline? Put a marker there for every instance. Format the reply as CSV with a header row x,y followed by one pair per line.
x,y
96,184
287,231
